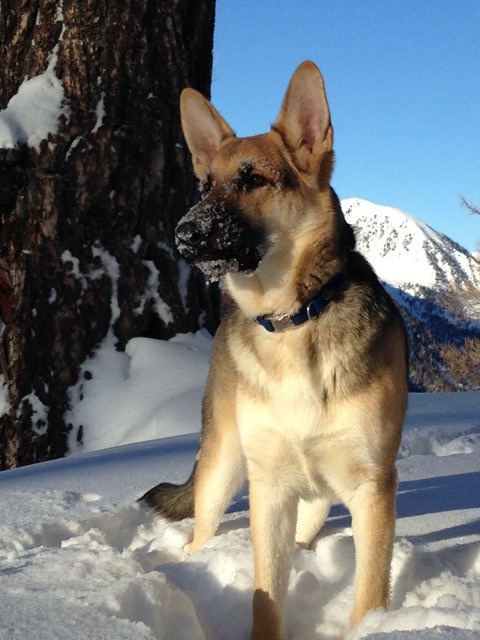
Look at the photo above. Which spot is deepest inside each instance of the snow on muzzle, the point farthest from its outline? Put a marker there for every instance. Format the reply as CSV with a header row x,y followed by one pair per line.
x,y
218,240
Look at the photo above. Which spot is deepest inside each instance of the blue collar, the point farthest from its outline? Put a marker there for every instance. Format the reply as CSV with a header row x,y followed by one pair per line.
x,y
309,312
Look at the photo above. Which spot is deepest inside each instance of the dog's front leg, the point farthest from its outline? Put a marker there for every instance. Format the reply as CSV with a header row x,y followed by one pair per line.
x,y
273,513
373,521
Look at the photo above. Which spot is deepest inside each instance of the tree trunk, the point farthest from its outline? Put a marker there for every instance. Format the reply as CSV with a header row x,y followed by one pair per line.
x,y
88,214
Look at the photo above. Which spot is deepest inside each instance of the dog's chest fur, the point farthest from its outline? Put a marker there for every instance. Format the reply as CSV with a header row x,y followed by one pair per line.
x,y
287,409
283,369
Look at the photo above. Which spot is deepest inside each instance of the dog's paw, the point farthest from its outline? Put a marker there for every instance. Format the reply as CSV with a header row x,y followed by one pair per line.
x,y
192,547
178,536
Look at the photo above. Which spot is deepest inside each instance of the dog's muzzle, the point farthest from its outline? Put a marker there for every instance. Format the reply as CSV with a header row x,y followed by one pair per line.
x,y
218,240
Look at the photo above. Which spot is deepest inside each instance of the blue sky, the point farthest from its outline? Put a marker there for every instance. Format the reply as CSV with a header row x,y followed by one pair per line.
x,y
403,82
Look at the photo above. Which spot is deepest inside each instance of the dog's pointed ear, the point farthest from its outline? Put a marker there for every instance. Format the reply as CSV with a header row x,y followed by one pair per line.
x,y
204,130
304,119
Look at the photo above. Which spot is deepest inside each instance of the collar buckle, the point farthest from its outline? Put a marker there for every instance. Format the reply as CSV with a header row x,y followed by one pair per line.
x,y
280,323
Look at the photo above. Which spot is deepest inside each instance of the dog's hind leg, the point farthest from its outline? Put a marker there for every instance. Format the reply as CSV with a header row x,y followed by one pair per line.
x,y
373,522
311,517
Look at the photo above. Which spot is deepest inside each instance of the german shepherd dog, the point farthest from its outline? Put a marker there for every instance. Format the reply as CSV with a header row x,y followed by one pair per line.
x,y
307,389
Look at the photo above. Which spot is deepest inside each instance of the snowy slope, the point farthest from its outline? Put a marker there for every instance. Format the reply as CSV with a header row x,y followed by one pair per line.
x,y
153,389
406,252
80,560
426,273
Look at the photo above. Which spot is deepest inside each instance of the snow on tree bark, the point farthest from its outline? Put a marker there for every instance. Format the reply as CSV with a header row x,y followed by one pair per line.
x,y
88,214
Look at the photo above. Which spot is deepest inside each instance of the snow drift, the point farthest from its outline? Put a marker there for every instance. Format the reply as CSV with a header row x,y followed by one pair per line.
x,y
80,560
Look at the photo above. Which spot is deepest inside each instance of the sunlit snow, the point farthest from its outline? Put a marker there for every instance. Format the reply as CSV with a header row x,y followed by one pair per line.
x,y
34,112
79,559
404,251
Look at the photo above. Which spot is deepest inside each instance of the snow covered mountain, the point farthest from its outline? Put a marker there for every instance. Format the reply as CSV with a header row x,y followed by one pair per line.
x,y
405,252
422,269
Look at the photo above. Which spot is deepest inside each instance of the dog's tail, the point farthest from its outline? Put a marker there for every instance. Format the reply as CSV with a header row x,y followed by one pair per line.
x,y
172,501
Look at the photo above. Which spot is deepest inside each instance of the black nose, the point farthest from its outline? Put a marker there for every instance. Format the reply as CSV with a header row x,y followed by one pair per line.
x,y
187,232
190,237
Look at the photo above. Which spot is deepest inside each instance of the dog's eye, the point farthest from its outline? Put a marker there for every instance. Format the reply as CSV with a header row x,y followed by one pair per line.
x,y
251,181
256,180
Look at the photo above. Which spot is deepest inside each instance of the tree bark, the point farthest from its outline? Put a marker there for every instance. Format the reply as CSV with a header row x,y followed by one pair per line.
x,y
88,217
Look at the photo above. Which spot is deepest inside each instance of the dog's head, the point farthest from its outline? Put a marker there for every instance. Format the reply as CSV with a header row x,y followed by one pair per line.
x,y
258,192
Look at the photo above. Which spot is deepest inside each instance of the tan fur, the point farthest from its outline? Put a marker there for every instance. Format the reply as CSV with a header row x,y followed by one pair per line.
x,y
314,413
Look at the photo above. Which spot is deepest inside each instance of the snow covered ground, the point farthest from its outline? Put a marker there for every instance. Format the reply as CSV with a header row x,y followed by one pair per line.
x,y
79,559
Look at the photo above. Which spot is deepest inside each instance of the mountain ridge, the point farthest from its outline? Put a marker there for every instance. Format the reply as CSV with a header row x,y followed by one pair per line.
x,y
426,273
